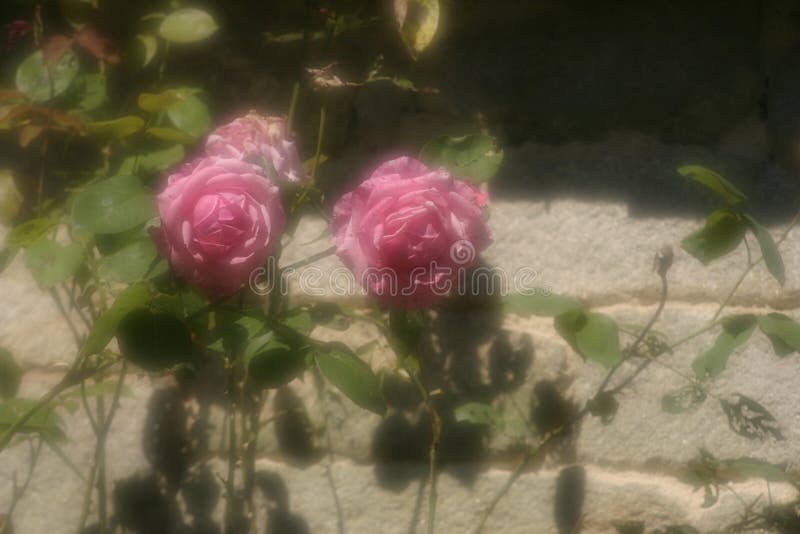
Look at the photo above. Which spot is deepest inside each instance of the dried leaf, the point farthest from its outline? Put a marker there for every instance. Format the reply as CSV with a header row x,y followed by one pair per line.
x,y
28,134
417,21
97,45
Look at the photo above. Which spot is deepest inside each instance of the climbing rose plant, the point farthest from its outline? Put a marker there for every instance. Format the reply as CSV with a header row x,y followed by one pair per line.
x,y
149,244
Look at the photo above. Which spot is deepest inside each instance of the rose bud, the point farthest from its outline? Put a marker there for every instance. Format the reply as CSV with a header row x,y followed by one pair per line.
x,y
261,140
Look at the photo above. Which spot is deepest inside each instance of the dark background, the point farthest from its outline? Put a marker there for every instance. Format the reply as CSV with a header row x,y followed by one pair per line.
x,y
588,98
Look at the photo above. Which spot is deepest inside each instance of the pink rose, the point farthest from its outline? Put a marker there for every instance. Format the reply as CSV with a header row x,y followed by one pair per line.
x,y
407,232
253,137
220,219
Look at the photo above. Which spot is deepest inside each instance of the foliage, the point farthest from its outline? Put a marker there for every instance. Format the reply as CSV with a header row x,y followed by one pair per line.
x,y
88,231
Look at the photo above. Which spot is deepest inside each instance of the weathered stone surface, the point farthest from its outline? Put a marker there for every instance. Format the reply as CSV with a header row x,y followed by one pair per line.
x,y
30,324
595,251
55,496
642,432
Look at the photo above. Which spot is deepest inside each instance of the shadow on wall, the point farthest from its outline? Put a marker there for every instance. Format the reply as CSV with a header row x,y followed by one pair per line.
x,y
465,354
601,102
151,503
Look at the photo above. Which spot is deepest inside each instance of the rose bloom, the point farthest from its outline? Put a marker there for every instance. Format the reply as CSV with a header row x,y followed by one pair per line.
x,y
253,137
220,220
407,232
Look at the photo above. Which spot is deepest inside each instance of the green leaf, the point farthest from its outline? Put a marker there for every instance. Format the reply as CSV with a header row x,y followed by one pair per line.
x,y
592,335
782,331
299,320
722,233
132,298
476,413
683,400
117,128
351,376
149,46
108,244
539,304
93,92
7,255
272,363
70,399
191,116
235,330
136,262
10,375
714,182
156,102
51,263
736,330
34,77
187,25
417,21
154,341
29,232
744,468
406,331
171,135
151,162
630,527
113,205
44,422
769,250
10,197
473,157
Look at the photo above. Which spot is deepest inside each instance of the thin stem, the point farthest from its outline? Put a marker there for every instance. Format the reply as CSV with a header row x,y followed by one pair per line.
x,y
102,513
293,107
436,431
230,482
87,496
397,320
74,305
734,289
24,418
751,264
532,452
317,156
87,409
331,459
714,321
18,492
72,377
254,407
163,66
635,345
97,469
58,451
63,311
320,137
251,404
45,144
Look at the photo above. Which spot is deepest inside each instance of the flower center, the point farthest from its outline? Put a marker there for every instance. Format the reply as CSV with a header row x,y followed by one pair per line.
x,y
220,221
412,237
